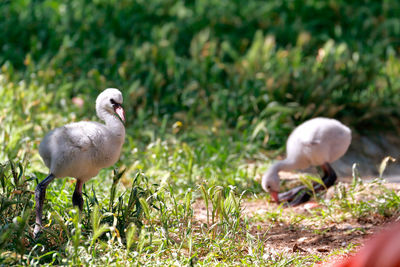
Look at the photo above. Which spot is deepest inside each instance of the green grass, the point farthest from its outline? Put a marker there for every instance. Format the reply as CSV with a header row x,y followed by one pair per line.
x,y
211,91
151,223
144,212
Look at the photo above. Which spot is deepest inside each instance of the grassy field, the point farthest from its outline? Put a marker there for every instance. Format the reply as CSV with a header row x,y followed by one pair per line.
x,y
211,91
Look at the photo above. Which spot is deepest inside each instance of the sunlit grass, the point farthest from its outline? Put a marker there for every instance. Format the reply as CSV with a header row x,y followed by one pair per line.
x,y
211,91
147,209
144,219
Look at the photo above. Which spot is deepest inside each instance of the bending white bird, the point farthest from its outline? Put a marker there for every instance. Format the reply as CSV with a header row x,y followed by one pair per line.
x,y
82,149
316,142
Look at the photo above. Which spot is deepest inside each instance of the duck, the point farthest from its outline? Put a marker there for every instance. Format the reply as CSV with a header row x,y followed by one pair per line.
x,y
81,149
316,142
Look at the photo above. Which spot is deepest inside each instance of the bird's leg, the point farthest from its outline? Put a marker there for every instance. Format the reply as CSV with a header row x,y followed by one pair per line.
x,y
40,195
300,198
328,179
296,196
77,199
290,194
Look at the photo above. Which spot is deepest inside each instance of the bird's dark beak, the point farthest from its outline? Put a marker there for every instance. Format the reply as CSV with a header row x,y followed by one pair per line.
x,y
275,196
120,111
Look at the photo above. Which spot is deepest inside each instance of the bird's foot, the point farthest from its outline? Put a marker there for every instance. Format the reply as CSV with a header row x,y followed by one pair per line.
x,y
302,194
291,194
295,196
37,231
300,198
77,200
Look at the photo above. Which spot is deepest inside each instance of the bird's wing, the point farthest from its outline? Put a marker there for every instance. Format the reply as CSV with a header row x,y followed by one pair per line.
x,y
306,147
309,138
82,135
325,144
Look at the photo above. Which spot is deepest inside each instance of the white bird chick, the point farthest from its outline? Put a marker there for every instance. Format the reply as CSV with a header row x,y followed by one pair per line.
x,y
82,149
316,142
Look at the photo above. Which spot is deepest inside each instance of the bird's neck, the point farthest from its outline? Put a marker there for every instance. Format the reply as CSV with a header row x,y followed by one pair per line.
x,y
113,124
284,165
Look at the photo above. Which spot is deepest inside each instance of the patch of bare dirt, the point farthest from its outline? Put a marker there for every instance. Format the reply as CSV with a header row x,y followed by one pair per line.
x,y
304,237
307,239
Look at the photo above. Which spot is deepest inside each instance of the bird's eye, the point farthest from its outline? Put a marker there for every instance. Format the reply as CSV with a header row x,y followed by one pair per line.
x,y
268,187
112,101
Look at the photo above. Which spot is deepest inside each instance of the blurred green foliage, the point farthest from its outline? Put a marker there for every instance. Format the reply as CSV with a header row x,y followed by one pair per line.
x,y
240,62
208,87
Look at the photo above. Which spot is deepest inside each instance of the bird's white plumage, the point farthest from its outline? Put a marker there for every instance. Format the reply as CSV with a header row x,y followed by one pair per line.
x,y
314,142
318,141
81,149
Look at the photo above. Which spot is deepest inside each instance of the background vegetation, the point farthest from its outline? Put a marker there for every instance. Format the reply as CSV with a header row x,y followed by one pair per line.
x,y
211,90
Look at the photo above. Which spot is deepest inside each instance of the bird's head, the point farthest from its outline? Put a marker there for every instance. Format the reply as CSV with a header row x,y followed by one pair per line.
x,y
110,100
270,183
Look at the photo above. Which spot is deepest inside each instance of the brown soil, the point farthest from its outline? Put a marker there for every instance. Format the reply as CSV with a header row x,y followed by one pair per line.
x,y
306,238
311,239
